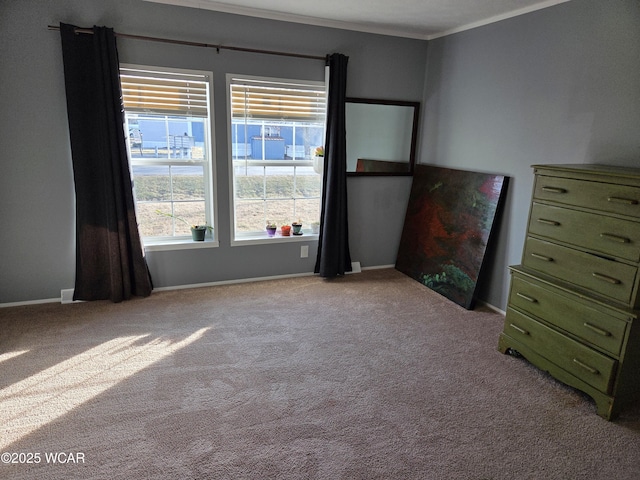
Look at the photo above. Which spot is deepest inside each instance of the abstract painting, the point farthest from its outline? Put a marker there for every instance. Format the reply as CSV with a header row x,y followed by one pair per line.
x,y
447,228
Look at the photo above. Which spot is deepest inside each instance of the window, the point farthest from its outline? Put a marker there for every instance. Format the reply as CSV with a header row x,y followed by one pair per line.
x,y
275,127
167,115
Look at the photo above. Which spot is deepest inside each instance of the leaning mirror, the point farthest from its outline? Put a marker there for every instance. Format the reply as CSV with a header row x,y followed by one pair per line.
x,y
381,136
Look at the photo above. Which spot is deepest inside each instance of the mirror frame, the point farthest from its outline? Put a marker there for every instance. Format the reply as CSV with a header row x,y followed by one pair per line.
x,y
414,135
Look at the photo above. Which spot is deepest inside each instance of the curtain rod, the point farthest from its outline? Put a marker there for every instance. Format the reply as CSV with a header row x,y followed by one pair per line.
x,y
200,44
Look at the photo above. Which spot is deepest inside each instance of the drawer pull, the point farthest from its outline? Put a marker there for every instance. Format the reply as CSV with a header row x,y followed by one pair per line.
x,y
542,257
518,329
527,297
549,222
605,278
554,190
626,201
588,368
615,238
598,330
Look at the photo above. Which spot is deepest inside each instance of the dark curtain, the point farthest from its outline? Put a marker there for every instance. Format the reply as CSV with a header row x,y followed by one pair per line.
x,y
333,246
110,261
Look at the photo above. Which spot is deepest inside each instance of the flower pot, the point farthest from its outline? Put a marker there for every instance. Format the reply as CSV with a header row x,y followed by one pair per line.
x,y
198,232
271,231
297,228
318,165
285,230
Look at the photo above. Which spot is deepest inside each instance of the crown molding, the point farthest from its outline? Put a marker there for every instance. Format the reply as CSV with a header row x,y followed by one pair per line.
x,y
498,18
289,17
354,26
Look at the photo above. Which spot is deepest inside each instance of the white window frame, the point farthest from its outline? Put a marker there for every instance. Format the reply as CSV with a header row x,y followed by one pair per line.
x,y
178,242
251,238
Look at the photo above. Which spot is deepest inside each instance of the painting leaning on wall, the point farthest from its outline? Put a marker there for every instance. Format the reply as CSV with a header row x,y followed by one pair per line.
x,y
447,227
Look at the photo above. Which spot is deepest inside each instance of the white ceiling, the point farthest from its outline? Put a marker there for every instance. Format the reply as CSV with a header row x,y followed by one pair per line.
x,y
423,19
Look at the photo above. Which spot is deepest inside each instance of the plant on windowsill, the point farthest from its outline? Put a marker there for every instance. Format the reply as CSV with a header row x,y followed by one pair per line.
x,y
318,160
198,232
297,227
285,230
271,229
315,227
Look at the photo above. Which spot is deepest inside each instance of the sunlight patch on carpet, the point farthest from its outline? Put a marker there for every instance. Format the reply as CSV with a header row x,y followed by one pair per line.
x,y
40,399
9,355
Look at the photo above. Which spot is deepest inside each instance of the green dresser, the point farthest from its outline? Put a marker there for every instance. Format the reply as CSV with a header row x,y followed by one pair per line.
x,y
573,303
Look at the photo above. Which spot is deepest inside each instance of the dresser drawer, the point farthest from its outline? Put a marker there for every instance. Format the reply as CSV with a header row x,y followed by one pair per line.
x,y
581,361
604,197
606,277
584,321
608,235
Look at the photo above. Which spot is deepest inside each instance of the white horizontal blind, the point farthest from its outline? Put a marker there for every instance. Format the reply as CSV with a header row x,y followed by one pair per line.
x,y
167,93
271,100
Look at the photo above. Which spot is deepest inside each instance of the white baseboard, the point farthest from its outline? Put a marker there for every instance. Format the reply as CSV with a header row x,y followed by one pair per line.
x,y
493,307
66,295
231,282
29,302
379,267
355,266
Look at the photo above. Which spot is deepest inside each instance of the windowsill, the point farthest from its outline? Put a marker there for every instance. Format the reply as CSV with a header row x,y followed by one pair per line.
x,y
264,239
178,244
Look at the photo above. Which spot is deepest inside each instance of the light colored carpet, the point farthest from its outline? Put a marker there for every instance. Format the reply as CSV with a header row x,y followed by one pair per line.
x,y
370,376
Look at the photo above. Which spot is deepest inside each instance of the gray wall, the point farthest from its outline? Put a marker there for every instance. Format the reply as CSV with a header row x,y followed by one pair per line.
x,y
559,85
37,258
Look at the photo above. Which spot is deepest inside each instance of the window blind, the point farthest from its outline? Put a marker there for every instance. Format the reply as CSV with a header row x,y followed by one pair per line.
x,y
269,100
167,93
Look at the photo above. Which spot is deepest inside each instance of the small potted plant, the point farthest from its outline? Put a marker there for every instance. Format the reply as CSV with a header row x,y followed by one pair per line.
x,y
271,229
296,227
285,230
315,227
198,232
318,160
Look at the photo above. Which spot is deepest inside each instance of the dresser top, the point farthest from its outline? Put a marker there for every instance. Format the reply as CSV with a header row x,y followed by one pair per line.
x,y
629,173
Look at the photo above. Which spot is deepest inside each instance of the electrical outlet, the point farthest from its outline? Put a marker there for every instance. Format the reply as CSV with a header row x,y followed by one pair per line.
x,y
304,251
